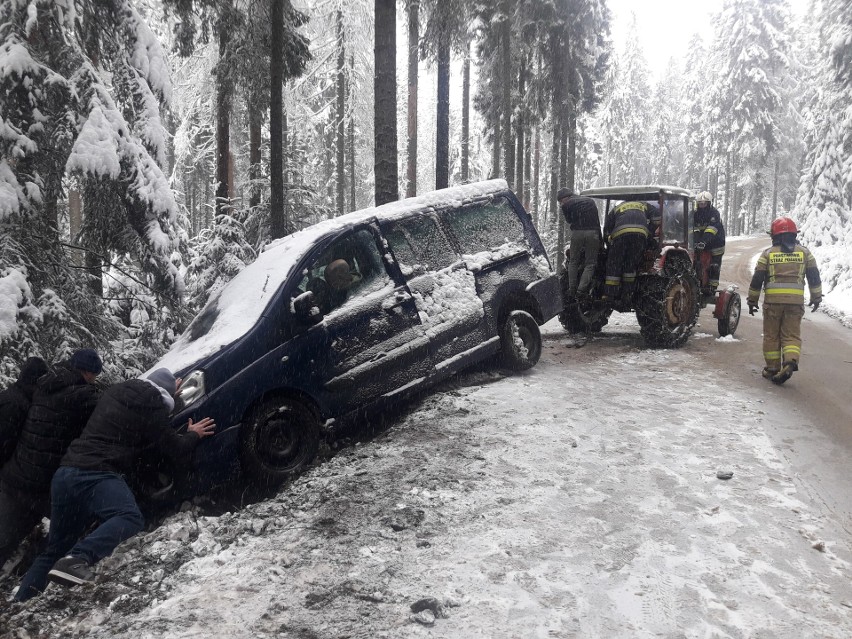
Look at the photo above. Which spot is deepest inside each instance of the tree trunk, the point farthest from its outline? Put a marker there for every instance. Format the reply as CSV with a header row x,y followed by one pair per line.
x,y
384,51
497,147
556,108
286,207
442,138
726,217
506,63
775,190
465,132
223,129
572,147
413,59
277,216
520,126
75,221
527,173
350,132
536,177
339,141
255,121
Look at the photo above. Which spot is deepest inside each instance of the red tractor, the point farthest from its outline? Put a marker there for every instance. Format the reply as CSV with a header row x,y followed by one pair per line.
x,y
671,285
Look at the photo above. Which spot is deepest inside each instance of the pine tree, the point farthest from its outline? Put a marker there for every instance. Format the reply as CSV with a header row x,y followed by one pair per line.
x,y
824,200
752,49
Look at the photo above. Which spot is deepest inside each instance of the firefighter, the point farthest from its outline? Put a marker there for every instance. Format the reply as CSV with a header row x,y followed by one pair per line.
x,y
627,229
709,235
781,271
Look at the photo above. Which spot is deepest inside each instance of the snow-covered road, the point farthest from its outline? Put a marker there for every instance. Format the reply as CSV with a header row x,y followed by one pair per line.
x,y
578,499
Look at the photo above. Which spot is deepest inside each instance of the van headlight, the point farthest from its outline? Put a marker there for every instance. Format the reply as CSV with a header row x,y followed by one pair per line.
x,y
192,387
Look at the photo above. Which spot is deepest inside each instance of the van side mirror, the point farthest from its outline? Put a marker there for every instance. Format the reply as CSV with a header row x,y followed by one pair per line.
x,y
306,308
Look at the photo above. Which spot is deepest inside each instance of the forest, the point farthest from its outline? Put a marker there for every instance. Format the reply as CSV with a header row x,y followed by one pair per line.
x,y
150,149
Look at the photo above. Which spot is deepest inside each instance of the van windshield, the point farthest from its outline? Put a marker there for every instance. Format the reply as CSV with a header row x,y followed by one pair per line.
x,y
231,312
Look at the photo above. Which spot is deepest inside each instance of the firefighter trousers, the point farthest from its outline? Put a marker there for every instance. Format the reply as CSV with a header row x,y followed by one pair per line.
x,y
782,334
622,261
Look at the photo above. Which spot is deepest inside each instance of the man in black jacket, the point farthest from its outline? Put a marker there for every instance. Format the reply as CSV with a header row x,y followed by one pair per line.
x,y
581,214
62,403
92,484
14,404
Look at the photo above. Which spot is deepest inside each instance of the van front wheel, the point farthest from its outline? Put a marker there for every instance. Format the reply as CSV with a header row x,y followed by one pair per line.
x,y
520,341
279,439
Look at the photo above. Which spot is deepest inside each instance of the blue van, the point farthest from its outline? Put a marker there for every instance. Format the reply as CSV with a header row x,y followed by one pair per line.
x,y
362,308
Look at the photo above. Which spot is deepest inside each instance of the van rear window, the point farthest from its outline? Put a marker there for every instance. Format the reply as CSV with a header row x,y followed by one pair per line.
x,y
486,226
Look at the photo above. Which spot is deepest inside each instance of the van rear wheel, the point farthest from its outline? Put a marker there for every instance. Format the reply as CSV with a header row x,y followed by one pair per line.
x,y
280,438
520,341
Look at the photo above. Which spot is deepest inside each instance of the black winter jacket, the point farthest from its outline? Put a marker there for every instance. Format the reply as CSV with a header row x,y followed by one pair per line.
x,y
130,419
61,405
14,404
581,213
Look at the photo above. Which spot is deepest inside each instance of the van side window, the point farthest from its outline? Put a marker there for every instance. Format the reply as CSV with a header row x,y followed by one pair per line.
x,y
419,245
485,227
349,268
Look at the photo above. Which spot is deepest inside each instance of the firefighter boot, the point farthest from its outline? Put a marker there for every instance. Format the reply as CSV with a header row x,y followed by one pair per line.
x,y
769,373
785,373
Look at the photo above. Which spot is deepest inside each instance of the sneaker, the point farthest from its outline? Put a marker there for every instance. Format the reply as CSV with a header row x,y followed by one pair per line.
x,y
769,373
71,571
785,373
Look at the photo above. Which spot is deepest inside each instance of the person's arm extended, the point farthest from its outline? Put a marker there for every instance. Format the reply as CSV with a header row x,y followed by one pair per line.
x,y
178,447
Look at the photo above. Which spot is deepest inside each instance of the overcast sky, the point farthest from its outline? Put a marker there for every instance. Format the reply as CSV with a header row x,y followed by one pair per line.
x,y
666,27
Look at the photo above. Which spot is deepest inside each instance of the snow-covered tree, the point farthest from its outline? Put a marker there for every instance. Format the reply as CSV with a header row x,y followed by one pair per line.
x,y
752,53
824,201
627,117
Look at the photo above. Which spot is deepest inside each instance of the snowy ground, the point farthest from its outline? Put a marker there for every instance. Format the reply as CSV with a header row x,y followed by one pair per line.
x,y
578,499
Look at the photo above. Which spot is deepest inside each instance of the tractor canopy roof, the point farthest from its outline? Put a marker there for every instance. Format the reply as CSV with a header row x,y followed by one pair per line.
x,y
636,192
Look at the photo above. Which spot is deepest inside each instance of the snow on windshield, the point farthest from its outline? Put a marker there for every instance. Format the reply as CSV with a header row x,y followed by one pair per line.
x,y
239,305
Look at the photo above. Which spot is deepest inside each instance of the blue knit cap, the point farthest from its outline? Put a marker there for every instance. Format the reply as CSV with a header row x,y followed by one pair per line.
x,y
86,359
163,378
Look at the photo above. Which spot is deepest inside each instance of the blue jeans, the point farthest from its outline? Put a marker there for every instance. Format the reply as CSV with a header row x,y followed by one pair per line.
x,y
79,497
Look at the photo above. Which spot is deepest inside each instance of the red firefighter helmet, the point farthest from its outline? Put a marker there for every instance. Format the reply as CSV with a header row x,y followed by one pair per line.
x,y
783,225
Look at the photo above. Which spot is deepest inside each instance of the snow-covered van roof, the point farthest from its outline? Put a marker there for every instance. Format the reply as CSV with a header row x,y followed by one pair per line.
x,y
634,191
243,300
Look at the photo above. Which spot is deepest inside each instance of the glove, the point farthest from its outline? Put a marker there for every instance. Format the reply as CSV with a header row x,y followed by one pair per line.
x,y
814,304
699,246
752,307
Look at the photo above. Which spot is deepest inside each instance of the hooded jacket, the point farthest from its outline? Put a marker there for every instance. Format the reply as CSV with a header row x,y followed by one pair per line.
x,y
61,405
130,419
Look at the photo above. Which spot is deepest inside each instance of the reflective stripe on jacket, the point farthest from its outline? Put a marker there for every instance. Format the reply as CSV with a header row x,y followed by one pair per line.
x,y
782,275
627,218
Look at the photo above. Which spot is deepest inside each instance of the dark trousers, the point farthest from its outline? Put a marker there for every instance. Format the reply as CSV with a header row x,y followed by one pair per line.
x,y
79,497
622,260
715,267
19,514
585,245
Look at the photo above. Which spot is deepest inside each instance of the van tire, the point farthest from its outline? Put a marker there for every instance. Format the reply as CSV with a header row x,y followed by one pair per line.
x,y
279,439
520,341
